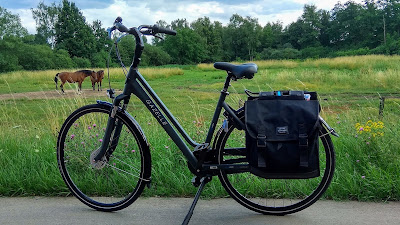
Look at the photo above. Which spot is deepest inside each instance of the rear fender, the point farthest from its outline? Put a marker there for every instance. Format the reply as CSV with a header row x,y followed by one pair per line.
x,y
329,128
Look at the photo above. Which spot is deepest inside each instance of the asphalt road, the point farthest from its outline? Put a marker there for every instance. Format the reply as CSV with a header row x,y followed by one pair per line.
x,y
43,211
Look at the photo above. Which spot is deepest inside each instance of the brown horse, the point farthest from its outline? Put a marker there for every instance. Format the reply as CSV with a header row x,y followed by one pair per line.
x,y
73,77
97,78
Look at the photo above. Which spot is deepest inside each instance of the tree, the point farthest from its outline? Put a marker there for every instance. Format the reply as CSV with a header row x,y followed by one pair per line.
x,y
187,47
10,24
308,30
242,37
46,18
272,35
293,33
101,36
391,15
72,32
311,25
211,33
179,24
346,27
324,36
372,25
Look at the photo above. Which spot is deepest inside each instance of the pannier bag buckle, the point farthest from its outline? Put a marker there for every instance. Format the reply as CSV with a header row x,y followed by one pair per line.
x,y
261,141
303,140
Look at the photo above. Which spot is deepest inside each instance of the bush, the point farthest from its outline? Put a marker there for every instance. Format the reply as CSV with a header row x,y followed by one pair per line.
x,y
155,56
62,60
313,52
8,63
284,53
35,57
360,51
99,59
81,62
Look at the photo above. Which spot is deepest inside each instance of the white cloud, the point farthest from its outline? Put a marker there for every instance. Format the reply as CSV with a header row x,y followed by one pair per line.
x,y
135,13
27,20
324,4
286,18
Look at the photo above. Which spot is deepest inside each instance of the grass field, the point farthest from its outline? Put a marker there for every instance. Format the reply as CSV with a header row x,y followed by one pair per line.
x,y
368,160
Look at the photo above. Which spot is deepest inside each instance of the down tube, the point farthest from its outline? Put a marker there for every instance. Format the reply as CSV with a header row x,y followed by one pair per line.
x,y
153,108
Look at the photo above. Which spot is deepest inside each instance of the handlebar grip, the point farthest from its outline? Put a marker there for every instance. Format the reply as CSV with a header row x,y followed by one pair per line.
x,y
121,27
118,25
157,29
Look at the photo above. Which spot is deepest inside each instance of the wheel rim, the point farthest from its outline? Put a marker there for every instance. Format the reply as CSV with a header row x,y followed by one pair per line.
x,y
273,196
118,180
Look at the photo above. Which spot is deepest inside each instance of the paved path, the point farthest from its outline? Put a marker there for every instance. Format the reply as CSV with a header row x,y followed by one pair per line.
x,y
43,211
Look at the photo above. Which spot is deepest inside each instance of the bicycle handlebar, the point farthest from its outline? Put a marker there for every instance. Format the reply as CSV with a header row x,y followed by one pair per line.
x,y
163,30
137,32
151,30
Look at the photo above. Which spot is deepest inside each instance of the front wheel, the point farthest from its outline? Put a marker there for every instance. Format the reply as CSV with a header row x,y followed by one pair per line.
x,y
123,176
271,196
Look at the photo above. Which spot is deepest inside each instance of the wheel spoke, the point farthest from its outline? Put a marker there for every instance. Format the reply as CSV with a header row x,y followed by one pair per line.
x,y
271,196
118,183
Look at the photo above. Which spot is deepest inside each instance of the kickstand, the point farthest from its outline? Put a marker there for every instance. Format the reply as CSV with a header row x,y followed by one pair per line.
x,y
203,182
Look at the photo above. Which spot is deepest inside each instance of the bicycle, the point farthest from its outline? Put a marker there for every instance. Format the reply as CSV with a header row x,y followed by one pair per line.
x,y
104,156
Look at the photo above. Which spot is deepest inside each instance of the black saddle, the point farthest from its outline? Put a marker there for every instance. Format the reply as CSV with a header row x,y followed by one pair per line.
x,y
246,70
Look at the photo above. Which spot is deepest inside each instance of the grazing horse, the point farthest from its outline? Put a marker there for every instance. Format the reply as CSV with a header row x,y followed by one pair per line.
x,y
73,77
97,78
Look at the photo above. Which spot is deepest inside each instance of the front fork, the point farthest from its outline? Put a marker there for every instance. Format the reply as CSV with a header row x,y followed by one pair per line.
x,y
113,130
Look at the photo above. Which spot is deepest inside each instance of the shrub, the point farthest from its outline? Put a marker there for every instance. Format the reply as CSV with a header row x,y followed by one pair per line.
x,y
8,63
354,52
155,56
81,62
99,59
35,57
313,52
62,60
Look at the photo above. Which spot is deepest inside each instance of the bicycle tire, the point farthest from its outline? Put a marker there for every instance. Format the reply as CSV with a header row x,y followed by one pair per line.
x,y
271,196
122,179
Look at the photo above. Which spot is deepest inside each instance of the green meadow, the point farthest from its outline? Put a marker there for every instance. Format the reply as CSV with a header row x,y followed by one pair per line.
x,y
350,89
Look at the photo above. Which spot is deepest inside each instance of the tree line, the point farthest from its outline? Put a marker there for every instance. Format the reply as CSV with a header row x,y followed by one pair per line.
x,y
64,38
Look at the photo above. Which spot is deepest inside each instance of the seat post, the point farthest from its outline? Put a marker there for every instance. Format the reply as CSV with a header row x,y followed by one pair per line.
x,y
218,109
227,82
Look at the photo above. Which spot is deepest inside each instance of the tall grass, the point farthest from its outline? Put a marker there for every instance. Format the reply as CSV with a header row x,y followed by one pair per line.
x,y
349,94
367,161
23,81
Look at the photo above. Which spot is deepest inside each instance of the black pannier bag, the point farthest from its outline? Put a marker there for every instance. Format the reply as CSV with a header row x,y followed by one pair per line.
x,y
282,129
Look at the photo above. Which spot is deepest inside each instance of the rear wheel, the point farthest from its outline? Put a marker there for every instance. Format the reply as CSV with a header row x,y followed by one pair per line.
x,y
271,196
118,182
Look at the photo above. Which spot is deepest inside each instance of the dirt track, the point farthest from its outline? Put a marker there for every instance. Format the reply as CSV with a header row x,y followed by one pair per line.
x,y
53,94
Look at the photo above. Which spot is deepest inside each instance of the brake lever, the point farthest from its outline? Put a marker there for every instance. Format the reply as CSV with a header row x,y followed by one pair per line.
x,y
159,37
109,31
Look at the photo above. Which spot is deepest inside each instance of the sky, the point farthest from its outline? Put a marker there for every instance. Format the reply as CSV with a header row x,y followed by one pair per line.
x,y
138,12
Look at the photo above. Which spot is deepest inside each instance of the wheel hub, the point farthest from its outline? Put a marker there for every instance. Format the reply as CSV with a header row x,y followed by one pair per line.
x,y
99,164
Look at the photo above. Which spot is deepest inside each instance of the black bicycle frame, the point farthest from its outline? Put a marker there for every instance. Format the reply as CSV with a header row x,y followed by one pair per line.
x,y
137,85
